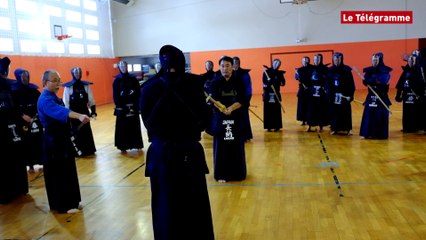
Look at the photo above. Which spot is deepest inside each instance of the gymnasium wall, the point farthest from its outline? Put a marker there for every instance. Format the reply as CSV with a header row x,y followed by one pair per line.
x,y
356,54
200,25
101,71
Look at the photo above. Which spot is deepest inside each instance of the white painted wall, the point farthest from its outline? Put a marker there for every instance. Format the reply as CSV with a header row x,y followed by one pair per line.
x,y
206,25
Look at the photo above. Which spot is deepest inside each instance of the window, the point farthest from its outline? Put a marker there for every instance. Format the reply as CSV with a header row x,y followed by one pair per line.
x,y
73,16
30,46
93,49
73,2
29,7
90,5
28,26
76,48
55,47
137,67
52,11
92,35
90,20
6,45
32,27
5,23
75,32
4,4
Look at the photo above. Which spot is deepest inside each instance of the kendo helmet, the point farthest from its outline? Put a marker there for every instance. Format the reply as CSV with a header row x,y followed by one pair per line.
x,y
172,58
4,66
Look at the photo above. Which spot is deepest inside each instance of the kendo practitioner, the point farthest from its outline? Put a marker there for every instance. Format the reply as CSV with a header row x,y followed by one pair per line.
x,y
174,113
13,179
375,118
410,91
126,93
209,75
208,78
228,124
317,112
244,75
60,171
340,89
273,79
25,97
303,75
78,97
421,66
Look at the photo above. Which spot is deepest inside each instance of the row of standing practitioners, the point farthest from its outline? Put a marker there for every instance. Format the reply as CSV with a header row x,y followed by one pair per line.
x,y
325,95
324,98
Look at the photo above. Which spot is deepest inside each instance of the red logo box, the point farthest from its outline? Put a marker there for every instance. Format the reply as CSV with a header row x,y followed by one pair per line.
x,y
376,17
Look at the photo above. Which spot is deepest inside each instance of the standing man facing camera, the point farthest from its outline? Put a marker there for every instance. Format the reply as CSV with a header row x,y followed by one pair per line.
x,y
60,171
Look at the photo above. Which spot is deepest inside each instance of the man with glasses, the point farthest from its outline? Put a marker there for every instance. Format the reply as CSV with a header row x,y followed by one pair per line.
x,y
60,172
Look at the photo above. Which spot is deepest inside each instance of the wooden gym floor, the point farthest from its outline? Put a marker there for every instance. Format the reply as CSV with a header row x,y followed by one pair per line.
x,y
291,191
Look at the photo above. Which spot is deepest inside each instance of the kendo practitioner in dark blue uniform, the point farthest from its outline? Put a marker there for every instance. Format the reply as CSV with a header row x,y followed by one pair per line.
x,y
60,171
303,75
174,112
375,118
410,91
208,76
25,97
13,179
272,79
78,97
126,93
317,113
340,89
228,124
244,75
421,66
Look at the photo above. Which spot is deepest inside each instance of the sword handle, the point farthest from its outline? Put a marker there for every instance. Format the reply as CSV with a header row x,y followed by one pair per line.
x,y
217,104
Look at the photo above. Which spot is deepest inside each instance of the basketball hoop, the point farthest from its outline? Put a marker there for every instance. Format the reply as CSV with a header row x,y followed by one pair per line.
x,y
63,36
